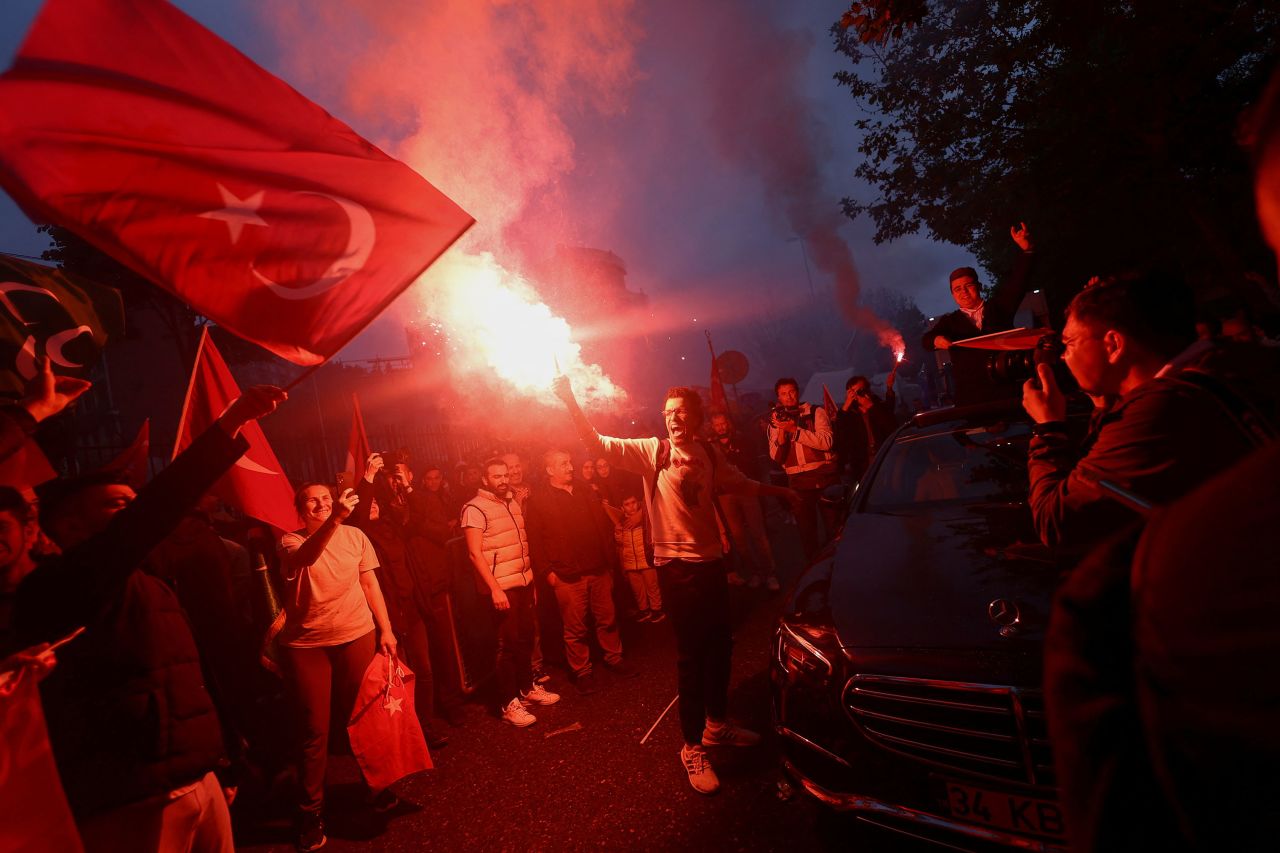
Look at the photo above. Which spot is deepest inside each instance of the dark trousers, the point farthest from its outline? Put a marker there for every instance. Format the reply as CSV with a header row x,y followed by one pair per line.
x,y
696,598
813,511
438,613
514,628
320,676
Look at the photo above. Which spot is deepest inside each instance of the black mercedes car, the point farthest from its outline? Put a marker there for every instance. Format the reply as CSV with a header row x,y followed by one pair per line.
x,y
906,668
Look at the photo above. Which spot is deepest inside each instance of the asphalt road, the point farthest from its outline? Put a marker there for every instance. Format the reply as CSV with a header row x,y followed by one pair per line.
x,y
498,788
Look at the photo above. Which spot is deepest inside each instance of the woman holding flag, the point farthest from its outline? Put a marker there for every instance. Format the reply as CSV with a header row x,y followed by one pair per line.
x,y
333,604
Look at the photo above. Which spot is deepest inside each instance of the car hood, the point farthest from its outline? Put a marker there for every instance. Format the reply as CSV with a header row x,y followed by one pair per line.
x,y
928,579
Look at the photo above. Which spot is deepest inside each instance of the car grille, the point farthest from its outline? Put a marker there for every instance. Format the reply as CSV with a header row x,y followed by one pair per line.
x,y
989,730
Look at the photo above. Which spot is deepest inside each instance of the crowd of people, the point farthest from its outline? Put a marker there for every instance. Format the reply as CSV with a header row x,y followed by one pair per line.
x,y
205,633
156,713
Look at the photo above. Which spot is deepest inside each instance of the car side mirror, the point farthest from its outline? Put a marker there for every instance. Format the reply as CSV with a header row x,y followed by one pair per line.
x,y
836,495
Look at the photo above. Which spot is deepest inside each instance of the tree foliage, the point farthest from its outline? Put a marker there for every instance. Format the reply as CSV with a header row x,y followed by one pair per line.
x,y
878,21
1108,125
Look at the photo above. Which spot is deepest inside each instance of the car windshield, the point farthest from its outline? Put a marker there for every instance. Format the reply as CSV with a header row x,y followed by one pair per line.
x,y
985,464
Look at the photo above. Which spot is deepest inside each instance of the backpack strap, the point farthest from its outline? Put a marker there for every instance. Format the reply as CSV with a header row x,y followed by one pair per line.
x,y
660,464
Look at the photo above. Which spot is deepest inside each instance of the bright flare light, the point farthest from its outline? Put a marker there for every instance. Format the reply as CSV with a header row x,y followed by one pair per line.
x,y
496,325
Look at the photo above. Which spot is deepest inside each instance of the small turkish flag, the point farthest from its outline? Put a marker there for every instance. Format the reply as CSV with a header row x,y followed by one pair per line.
x,y
358,443
34,814
256,484
134,462
27,468
168,149
828,403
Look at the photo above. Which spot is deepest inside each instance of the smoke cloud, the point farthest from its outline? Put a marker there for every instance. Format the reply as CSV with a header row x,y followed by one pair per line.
x,y
636,128
764,121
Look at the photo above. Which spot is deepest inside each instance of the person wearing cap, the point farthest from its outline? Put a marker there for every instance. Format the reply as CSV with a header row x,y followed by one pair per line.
x,y
975,316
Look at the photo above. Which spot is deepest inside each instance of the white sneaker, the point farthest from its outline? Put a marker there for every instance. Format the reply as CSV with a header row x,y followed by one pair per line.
x,y
725,734
539,695
516,715
701,776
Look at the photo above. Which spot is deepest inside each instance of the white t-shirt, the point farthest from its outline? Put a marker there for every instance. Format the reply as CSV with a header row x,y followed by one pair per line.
x,y
324,603
681,511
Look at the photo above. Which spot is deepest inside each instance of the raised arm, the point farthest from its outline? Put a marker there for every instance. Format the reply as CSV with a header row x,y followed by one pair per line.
x,y
313,546
72,589
563,389
1008,294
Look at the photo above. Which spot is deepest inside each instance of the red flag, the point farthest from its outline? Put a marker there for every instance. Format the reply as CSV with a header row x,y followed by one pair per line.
x,y
34,814
168,149
256,485
27,468
134,463
358,444
718,401
828,403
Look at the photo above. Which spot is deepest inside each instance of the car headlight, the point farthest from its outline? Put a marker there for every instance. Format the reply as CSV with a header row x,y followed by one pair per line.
x,y
797,655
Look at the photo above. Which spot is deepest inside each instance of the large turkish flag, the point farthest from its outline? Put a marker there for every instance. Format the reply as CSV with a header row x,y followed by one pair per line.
x,y
256,484
168,149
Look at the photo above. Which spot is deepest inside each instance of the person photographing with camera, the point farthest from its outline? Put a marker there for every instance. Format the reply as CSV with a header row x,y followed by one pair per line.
x,y
1167,430
802,441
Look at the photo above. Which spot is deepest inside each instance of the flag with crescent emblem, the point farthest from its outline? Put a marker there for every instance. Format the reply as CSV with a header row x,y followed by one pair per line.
x,y
162,145
256,484
47,312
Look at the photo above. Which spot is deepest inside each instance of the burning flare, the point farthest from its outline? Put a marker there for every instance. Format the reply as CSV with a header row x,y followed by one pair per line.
x,y
496,326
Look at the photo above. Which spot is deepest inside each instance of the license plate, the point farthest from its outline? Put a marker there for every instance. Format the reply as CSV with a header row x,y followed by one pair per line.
x,y
1023,815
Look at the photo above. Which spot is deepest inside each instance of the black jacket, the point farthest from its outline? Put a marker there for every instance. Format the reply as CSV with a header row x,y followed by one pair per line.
x,y
997,316
854,449
127,709
569,534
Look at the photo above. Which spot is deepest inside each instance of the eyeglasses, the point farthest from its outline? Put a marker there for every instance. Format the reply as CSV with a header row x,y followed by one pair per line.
x,y
676,413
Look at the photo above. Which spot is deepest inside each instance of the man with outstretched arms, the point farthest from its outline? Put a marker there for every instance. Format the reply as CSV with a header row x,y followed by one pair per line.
x,y
681,474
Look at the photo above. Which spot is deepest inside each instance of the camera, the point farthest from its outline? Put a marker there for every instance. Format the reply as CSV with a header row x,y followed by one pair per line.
x,y
786,413
983,375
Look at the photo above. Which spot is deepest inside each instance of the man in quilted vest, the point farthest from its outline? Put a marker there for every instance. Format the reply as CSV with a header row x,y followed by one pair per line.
x,y
498,548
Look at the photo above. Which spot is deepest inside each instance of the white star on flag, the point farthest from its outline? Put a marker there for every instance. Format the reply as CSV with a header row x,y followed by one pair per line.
x,y
237,212
393,704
